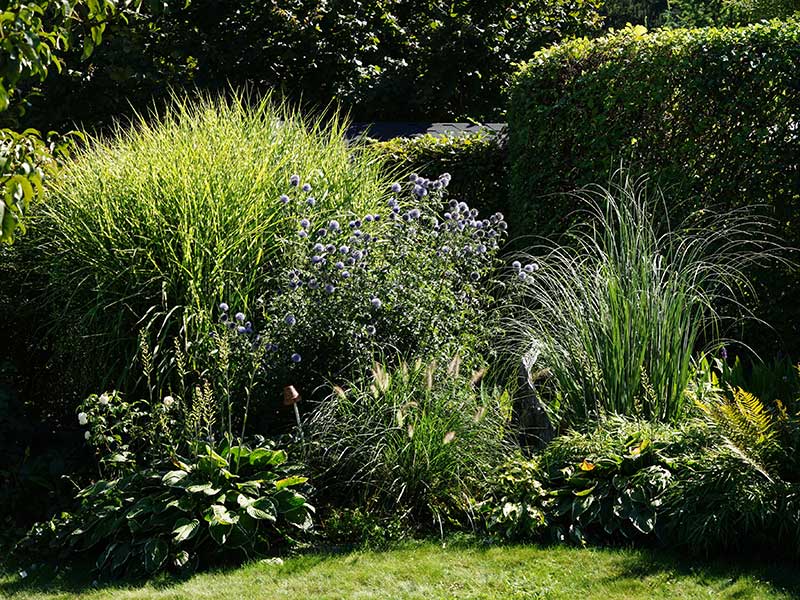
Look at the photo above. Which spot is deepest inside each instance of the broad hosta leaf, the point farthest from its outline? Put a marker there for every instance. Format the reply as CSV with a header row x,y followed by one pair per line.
x,y
174,477
262,457
290,481
155,553
204,488
219,515
185,530
262,509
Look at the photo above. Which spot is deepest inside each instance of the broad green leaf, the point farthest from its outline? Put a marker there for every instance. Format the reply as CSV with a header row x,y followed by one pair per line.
x,y
290,481
185,530
155,553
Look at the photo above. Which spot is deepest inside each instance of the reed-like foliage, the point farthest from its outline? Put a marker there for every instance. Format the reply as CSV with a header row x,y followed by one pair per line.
x,y
419,441
158,222
614,312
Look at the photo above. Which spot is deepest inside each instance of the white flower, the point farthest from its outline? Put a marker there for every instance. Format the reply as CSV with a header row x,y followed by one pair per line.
x,y
86,436
23,574
103,399
82,418
169,401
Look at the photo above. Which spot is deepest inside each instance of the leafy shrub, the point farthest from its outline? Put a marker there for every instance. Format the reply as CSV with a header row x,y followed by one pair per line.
x,y
580,107
615,312
704,13
420,441
478,163
198,220
415,274
400,61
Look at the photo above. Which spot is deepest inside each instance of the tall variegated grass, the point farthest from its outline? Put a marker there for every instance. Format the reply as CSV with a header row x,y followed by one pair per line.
x,y
613,315
158,222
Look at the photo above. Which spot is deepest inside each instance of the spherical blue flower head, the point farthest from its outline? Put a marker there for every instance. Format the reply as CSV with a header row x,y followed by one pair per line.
x,y
345,274
485,223
474,276
321,232
344,249
305,223
296,358
502,225
231,325
463,207
294,180
453,204
330,248
448,216
481,249
473,213
334,225
406,217
357,224
377,217
414,213
391,203
290,319
306,187
293,285
302,233
339,265
396,187
369,218
420,191
284,199
316,259
466,250
223,306
376,302
723,353
318,247
522,275
445,249
420,181
370,330
531,267
224,317
330,288
366,237
478,224
395,210
350,261
358,255
311,201
239,316
352,224
312,284
413,177
357,233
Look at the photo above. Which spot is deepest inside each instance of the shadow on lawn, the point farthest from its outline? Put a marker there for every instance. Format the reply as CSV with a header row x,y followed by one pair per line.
x,y
782,575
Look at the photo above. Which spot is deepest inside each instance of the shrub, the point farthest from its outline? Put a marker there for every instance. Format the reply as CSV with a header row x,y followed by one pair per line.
x,y
477,162
197,220
710,113
420,441
614,314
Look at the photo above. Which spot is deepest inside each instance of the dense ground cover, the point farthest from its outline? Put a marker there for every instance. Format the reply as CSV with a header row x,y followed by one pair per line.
x,y
428,571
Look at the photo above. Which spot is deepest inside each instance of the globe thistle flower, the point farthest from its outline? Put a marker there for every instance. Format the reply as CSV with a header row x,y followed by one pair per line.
x,y
311,201
305,223
523,275
370,330
330,288
312,284
339,265
306,187
463,207
296,358
350,261
330,248
345,274
369,218
445,249
530,268
376,302
318,247
302,233
321,232
396,187
231,324
82,418
294,180
334,225
239,316
475,276
223,306
344,250
406,217
414,213
241,329
358,255
482,249
290,319
316,259
357,233
413,177
377,216
284,199
420,191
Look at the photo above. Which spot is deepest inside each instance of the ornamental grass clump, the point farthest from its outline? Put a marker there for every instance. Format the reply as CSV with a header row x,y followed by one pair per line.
x,y
611,317
165,218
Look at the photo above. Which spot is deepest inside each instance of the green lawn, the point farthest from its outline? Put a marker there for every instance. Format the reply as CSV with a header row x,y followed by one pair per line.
x,y
427,571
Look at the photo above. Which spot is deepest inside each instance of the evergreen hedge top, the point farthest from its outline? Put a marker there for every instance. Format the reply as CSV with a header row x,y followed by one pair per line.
x,y
713,112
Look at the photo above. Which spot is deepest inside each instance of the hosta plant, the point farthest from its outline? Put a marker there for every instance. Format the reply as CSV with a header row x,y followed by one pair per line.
x,y
225,503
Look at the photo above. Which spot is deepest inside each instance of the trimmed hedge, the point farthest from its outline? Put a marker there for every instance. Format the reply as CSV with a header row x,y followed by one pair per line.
x,y
478,163
712,114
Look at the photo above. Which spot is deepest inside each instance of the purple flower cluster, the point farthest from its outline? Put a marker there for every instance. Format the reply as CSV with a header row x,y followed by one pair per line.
x,y
524,271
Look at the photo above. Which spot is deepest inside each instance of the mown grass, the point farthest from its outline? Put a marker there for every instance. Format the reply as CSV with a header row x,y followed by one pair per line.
x,y
428,571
